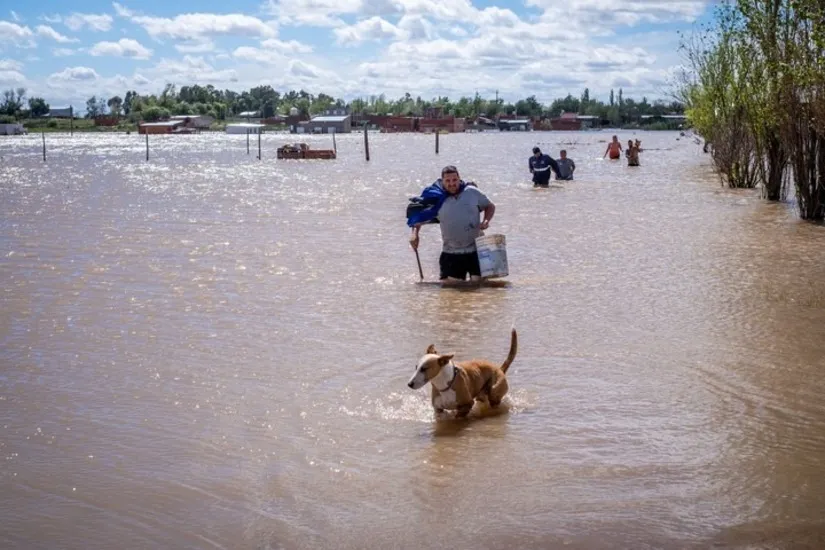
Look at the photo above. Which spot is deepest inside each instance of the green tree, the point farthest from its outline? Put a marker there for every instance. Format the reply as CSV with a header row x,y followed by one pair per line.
x,y
568,104
38,107
91,107
529,107
115,105
127,101
155,113
12,102
756,91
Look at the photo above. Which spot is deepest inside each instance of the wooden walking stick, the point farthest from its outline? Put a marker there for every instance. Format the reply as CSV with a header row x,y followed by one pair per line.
x,y
418,259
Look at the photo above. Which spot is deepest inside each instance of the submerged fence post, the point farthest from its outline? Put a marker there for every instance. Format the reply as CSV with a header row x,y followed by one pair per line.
x,y
247,141
259,144
366,143
436,141
147,144
44,146
334,147
71,120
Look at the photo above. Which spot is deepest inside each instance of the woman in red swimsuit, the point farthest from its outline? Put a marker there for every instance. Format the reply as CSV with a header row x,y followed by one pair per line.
x,y
614,148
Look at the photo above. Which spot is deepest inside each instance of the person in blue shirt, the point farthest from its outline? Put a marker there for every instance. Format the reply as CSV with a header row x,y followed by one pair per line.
x,y
540,166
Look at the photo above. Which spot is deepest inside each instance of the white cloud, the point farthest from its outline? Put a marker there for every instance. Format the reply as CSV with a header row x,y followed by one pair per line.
x,y
63,52
417,27
11,78
331,13
74,74
374,28
289,47
10,65
300,69
16,35
48,32
94,22
498,17
626,13
503,60
15,16
122,11
316,13
446,10
272,51
197,26
199,46
10,74
192,70
125,47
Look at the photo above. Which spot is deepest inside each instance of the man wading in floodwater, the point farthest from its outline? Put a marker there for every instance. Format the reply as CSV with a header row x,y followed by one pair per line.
x,y
540,166
457,205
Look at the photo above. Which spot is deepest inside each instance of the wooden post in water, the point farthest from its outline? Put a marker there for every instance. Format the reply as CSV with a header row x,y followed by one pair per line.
x,y
147,144
44,146
436,141
334,147
366,143
71,120
247,141
259,144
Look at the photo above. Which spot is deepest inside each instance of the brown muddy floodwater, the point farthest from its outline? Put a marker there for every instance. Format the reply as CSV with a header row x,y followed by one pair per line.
x,y
210,351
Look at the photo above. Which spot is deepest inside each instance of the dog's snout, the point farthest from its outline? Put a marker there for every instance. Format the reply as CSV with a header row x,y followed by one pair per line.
x,y
410,383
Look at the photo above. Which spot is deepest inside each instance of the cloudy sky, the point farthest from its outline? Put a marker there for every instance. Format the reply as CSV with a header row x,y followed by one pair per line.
x,y
68,51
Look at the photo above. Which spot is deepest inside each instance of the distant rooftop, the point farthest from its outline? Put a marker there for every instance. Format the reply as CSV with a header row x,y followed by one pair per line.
x,y
248,114
327,118
163,123
61,111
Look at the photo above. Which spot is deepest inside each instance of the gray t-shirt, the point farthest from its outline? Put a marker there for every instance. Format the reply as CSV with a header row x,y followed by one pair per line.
x,y
566,167
459,220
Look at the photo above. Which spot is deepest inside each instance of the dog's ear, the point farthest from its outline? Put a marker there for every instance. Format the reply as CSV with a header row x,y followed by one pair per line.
x,y
444,359
431,349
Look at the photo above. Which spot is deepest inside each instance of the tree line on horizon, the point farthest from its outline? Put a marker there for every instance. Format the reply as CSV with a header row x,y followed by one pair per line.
x,y
224,104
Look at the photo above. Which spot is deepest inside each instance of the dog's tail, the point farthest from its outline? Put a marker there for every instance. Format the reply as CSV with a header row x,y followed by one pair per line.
x,y
513,350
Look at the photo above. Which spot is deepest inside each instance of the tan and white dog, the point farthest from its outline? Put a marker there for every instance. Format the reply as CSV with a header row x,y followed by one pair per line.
x,y
456,386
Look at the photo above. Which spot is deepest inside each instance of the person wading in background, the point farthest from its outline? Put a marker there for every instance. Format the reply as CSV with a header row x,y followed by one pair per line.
x,y
566,167
540,166
614,148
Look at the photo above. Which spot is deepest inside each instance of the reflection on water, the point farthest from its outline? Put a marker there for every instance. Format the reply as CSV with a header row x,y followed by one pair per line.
x,y
207,350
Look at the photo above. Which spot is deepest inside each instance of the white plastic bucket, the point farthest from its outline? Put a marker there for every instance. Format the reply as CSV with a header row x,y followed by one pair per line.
x,y
492,256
